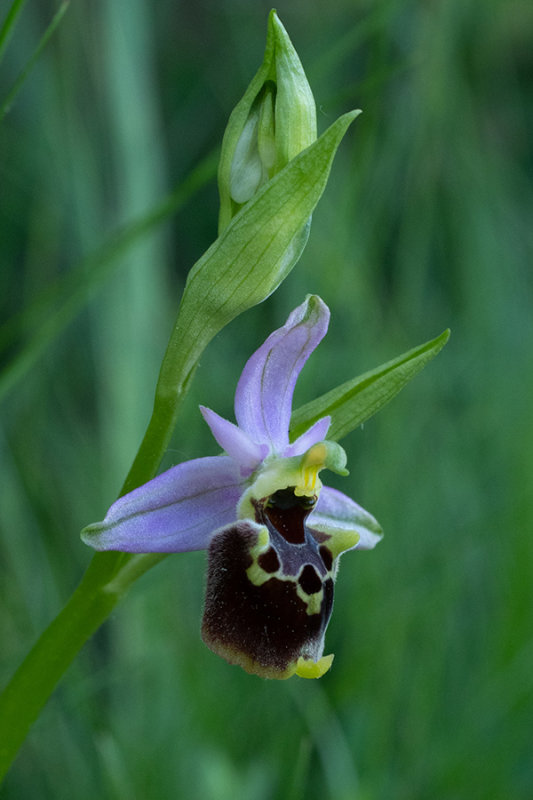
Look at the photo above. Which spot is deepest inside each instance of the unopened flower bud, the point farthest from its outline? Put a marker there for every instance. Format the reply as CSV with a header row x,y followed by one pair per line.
x,y
273,122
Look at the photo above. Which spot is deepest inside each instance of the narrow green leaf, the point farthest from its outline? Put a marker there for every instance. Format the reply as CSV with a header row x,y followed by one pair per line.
x,y
358,399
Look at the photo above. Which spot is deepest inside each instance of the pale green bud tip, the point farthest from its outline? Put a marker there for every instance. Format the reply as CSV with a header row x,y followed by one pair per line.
x,y
273,122
295,104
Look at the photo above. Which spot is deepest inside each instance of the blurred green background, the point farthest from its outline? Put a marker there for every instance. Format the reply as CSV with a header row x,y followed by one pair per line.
x,y
425,224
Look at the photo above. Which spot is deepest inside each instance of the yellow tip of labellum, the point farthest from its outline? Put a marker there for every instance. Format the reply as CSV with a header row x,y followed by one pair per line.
x,y
306,668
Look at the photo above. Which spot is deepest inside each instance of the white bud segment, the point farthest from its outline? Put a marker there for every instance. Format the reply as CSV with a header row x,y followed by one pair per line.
x,y
273,122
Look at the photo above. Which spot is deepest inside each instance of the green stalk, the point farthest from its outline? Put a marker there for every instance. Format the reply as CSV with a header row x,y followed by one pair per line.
x,y
106,580
108,577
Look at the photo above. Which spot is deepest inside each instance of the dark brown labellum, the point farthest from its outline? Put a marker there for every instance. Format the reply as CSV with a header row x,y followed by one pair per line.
x,y
269,589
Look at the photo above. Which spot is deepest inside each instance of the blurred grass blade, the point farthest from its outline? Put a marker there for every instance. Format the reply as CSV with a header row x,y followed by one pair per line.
x,y
7,28
54,310
56,19
358,399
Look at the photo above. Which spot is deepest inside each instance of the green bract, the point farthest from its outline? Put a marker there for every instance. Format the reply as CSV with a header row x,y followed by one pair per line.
x,y
250,258
353,402
273,122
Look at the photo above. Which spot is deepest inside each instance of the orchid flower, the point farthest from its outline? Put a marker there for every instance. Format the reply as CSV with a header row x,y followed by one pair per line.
x,y
273,532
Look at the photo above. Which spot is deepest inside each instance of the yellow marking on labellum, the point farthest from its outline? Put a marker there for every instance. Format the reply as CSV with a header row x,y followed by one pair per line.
x,y
262,544
312,601
307,668
256,574
339,539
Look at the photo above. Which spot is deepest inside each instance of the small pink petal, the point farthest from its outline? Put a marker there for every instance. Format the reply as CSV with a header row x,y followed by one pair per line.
x,y
316,433
235,441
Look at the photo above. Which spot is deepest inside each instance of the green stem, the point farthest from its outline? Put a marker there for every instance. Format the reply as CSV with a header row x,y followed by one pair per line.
x,y
108,577
156,439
